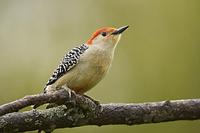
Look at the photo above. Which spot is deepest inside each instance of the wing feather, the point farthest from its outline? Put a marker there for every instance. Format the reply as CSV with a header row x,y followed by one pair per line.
x,y
67,63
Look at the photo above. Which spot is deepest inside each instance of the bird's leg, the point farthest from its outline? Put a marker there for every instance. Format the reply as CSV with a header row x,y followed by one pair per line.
x,y
96,110
68,90
95,101
70,102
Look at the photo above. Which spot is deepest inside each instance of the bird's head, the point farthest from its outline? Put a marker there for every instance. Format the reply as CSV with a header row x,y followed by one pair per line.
x,y
106,36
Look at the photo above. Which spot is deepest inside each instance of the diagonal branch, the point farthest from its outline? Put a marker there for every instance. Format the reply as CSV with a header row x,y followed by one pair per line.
x,y
59,97
84,111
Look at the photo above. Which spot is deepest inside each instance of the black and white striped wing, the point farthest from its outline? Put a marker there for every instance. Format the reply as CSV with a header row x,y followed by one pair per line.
x,y
68,62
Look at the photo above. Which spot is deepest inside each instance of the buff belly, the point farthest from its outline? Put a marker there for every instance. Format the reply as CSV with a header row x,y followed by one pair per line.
x,y
86,74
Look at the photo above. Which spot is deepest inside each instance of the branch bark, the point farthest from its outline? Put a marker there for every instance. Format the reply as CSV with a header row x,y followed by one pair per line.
x,y
60,97
82,111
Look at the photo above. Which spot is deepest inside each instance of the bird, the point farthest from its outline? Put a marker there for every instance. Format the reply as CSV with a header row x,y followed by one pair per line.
x,y
87,64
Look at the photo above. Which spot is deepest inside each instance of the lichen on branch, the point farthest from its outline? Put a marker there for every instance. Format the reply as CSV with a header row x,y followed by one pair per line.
x,y
77,110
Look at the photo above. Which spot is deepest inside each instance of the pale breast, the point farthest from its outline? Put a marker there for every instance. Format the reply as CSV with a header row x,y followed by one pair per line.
x,y
91,68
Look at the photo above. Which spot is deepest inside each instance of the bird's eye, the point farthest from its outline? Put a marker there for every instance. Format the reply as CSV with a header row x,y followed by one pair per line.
x,y
103,33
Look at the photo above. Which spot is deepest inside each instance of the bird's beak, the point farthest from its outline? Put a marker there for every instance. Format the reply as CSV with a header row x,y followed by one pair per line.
x,y
120,30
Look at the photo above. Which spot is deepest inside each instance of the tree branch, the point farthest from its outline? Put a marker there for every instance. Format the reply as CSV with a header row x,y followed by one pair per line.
x,y
60,97
81,111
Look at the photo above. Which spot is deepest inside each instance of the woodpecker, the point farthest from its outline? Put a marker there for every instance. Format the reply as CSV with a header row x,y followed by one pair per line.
x,y
84,66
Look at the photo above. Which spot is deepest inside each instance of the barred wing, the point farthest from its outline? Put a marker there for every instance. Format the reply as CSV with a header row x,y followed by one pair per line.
x,y
68,62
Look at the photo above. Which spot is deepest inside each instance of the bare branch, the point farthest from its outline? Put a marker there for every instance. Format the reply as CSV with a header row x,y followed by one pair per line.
x,y
79,110
59,97
129,114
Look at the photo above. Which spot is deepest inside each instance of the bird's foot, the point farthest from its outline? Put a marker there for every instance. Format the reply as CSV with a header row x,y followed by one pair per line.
x,y
71,102
96,108
95,101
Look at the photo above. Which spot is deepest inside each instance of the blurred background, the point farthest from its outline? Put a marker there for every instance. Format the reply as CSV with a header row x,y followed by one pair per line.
x,y
158,57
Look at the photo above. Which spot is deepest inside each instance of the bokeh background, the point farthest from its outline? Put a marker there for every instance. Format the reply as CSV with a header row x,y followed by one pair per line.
x,y
158,57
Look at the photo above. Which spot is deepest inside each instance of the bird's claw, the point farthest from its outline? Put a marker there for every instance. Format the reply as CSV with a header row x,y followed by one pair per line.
x,y
94,101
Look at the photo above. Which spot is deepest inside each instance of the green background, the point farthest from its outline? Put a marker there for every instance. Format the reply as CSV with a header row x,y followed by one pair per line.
x,y
158,57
